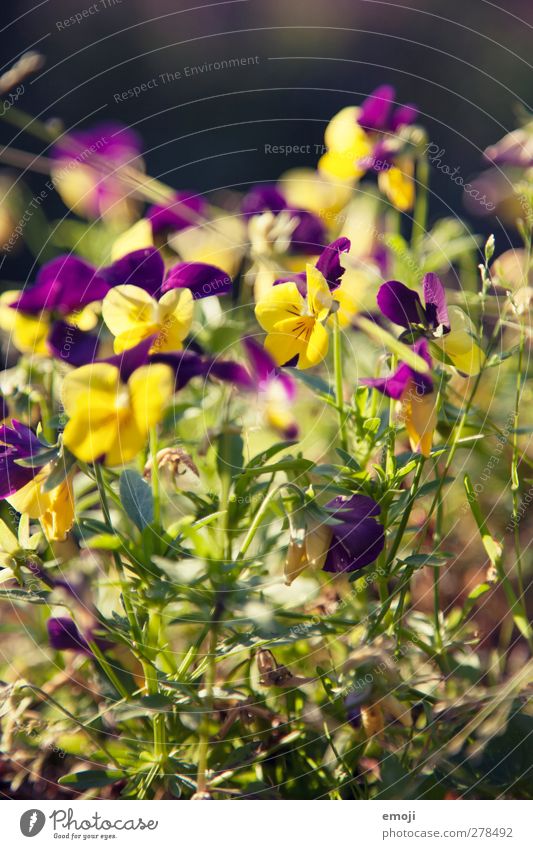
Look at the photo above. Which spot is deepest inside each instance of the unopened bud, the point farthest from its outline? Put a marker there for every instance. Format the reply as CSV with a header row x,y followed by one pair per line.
x,y
177,467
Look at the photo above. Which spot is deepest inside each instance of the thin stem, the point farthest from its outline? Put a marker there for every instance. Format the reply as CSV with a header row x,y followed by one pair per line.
x,y
421,203
339,392
252,530
210,676
155,478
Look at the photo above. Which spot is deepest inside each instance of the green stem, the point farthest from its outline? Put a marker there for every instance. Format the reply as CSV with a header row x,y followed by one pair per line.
x,y
155,478
252,530
339,392
421,203
210,676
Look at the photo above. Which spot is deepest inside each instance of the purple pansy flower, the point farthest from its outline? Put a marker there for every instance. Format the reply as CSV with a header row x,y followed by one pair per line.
x,y
415,391
101,152
403,306
188,364
379,115
514,149
176,214
145,268
395,385
309,234
275,388
64,635
357,538
63,286
328,263
18,442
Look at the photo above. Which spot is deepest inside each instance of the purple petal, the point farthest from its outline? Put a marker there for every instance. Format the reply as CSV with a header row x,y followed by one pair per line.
x,y
328,263
261,199
400,304
403,116
360,546
376,108
72,345
111,140
394,385
423,382
144,268
435,298
187,365
264,369
20,438
63,285
174,215
64,635
354,508
12,476
203,280
299,278
132,358
309,235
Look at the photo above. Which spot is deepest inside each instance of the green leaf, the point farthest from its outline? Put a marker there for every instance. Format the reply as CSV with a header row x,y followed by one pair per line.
x,y
492,546
24,597
61,466
91,778
105,542
136,496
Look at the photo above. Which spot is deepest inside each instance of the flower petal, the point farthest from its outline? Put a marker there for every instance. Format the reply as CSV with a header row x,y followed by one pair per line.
x,y
143,268
328,263
126,307
400,304
202,279
435,301
151,387
376,108
281,302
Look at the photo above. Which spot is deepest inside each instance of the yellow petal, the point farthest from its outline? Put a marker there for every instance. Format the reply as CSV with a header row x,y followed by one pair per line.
x,y
59,518
133,336
31,499
221,242
289,339
316,348
151,387
175,318
127,443
137,237
463,351
306,188
339,166
398,185
125,307
280,302
344,134
420,417
100,380
86,318
318,294
349,297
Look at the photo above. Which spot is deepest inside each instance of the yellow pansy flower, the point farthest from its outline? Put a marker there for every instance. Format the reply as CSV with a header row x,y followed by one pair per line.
x,y
54,509
109,418
132,315
294,324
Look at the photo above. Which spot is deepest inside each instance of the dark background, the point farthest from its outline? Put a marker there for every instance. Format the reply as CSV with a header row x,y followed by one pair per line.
x,y
462,61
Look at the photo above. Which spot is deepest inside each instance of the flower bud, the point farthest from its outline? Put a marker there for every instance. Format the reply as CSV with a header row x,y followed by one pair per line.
x,y
176,467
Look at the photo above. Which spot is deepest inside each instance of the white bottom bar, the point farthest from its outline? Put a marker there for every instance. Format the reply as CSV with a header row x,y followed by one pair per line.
x,y
269,824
